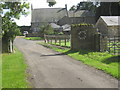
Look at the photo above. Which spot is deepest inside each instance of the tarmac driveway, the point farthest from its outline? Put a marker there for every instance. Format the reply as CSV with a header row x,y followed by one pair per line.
x,y
49,69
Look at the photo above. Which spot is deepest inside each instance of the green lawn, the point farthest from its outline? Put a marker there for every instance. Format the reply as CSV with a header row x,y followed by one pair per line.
x,y
33,38
14,70
100,60
0,71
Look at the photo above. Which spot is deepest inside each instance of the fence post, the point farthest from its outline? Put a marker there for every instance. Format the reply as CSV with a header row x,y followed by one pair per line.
x,y
45,39
65,41
51,39
114,46
97,41
59,41
55,39
48,39
109,45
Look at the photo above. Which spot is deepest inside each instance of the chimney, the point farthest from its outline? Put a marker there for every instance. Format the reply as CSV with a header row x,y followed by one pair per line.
x,y
31,7
66,10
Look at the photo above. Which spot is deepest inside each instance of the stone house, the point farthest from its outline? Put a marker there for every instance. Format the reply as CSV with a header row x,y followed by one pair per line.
x,y
57,28
59,16
44,16
109,25
81,16
66,29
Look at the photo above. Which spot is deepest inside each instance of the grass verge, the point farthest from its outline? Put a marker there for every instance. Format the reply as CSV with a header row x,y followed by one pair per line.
x,y
14,70
100,60
0,71
34,38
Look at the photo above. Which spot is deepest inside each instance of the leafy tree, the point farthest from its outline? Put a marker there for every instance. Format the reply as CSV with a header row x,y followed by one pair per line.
x,y
108,9
51,3
10,11
100,8
91,6
46,29
73,8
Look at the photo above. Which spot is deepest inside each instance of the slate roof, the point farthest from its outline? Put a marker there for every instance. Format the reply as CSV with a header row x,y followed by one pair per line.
x,y
80,13
66,27
53,25
47,14
111,20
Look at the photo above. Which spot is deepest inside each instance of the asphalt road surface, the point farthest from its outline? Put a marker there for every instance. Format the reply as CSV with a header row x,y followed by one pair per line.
x,y
49,69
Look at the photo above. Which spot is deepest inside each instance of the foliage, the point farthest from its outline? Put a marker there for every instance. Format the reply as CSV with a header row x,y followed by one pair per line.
x,y
13,70
34,38
73,8
51,4
91,6
10,11
60,33
46,29
11,30
14,10
100,60
99,8
108,9
82,24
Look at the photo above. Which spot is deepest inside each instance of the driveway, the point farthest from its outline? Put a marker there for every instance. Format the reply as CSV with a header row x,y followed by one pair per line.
x,y
49,69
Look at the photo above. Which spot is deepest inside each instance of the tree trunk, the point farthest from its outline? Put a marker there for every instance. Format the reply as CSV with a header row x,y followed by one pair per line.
x,y
7,45
110,8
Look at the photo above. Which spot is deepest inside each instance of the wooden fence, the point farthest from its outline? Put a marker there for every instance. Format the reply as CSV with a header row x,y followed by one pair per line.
x,y
114,45
57,39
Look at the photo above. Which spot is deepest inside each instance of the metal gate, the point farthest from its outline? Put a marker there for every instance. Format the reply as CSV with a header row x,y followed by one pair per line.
x,y
114,45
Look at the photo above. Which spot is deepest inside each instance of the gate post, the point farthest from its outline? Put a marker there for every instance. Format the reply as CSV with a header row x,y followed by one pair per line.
x,y
97,42
100,42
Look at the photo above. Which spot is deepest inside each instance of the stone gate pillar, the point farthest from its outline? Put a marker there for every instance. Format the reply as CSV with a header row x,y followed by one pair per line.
x,y
82,37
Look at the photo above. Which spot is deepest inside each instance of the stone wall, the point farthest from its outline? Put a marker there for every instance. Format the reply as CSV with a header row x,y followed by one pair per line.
x,y
100,42
82,37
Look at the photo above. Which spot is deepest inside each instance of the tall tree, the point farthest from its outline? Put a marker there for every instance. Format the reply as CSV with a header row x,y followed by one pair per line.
x,y
51,3
46,29
108,9
73,8
91,6
9,12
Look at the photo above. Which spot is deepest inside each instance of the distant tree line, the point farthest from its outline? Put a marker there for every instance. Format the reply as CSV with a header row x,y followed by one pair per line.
x,y
99,8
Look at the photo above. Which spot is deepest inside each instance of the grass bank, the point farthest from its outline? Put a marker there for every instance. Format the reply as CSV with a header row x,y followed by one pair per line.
x,y
34,38
100,60
14,70
0,71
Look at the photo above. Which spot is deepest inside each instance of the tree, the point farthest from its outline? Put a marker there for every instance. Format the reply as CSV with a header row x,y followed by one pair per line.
x,y
73,8
9,27
91,6
46,29
108,9
51,3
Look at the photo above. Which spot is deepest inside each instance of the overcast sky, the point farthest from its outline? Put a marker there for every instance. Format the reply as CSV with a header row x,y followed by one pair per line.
x,y
43,4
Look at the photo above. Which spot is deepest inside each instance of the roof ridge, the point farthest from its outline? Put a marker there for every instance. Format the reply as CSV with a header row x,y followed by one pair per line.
x,y
46,8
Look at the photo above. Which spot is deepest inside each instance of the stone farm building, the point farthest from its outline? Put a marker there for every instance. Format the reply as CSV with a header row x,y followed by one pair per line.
x,y
59,16
109,25
76,17
44,16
